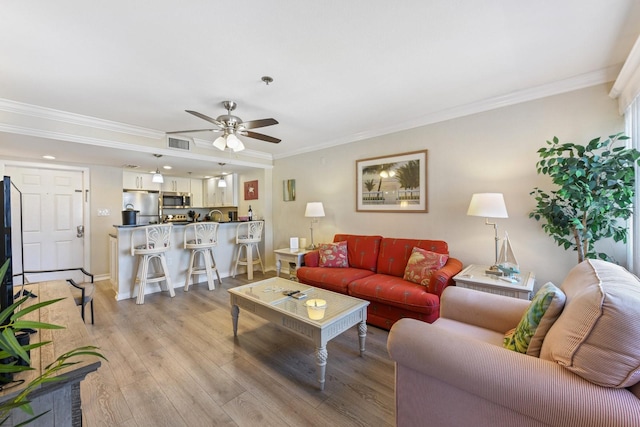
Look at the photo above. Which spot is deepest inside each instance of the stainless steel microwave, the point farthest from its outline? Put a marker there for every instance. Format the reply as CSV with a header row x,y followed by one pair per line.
x,y
175,200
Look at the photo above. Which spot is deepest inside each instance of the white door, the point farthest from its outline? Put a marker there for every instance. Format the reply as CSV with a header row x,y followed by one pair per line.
x,y
52,220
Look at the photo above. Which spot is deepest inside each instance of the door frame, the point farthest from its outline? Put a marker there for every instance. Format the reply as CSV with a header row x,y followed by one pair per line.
x,y
86,206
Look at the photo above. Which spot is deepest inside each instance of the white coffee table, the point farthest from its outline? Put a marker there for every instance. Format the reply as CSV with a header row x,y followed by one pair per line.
x,y
265,299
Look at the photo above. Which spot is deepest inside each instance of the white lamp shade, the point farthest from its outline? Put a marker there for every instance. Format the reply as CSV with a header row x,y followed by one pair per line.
x,y
489,205
220,143
157,178
239,146
232,141
222,182
314,210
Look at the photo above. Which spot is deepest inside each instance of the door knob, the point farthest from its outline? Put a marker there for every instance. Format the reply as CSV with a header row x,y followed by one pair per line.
x,y
80,232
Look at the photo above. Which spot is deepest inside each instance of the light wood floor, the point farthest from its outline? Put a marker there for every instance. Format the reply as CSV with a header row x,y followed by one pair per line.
x,y
175,362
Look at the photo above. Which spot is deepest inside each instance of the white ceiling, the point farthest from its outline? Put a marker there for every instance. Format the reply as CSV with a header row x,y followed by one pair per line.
x,y
342,70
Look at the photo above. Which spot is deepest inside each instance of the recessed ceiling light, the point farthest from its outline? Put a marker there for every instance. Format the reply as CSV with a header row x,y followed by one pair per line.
x,y
49,157
166,167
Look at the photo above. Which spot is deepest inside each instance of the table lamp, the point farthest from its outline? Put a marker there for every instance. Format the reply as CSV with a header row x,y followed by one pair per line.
x,y
489,205
314,211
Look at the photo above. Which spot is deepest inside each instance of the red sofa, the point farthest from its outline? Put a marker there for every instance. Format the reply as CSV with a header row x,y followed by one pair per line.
x,y
376,268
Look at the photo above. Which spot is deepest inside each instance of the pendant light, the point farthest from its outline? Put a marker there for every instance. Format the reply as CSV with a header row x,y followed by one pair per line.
x,y
221,182
157,176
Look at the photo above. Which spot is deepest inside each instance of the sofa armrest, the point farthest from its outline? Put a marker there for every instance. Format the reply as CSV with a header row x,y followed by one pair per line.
x,y
490,311
444,277
527,386
312,259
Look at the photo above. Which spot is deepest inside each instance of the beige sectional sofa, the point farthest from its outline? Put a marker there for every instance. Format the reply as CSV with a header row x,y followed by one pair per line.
x,y
456,372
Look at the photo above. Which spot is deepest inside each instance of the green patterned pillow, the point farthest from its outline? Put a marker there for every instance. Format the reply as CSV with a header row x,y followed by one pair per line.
x,y
544,309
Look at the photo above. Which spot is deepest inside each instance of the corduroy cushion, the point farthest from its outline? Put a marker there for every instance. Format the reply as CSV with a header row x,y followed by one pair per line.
x,y
422,264
597,336
543,311
333,255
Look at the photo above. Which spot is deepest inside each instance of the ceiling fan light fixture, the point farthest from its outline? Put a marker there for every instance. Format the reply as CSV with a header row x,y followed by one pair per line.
x,y
233,142
238,147
220,143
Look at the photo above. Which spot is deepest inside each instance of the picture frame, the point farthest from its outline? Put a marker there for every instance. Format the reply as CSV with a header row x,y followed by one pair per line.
x,y
251,190
289,190
395,183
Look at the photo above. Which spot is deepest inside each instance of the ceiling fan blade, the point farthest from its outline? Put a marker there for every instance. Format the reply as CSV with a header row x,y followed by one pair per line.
x,y
192,130
207,118
253,124
260,136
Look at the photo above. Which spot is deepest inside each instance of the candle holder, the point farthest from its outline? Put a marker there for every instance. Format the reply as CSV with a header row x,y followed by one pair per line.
x,y
316,308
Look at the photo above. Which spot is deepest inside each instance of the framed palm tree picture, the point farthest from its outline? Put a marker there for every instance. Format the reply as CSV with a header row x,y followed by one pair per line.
x,y
396,183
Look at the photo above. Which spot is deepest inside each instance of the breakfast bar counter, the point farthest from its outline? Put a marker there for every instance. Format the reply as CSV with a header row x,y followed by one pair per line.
x,y
122,262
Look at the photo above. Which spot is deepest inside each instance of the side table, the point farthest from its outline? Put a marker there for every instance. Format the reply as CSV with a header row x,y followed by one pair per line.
x,y
293,257
474,277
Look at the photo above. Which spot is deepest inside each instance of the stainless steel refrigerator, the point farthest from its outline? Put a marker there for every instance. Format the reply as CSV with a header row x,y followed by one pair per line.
x,y
144,201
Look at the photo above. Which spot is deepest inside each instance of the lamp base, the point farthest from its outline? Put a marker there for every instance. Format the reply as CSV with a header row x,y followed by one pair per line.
x,y
494,271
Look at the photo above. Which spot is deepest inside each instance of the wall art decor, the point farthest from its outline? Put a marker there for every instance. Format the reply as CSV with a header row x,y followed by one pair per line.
x,y
396,183
289,190
251,190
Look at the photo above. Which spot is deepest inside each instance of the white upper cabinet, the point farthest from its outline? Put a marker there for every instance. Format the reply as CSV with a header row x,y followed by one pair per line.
x,y
138,181
176,184
216,196
197,193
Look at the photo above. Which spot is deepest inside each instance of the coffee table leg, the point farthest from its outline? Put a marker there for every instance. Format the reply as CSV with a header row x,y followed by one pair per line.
x,y
321,361
235,310
362,333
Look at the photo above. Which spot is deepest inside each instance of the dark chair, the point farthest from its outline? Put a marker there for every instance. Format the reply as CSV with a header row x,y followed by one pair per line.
x,y
85,296
86,289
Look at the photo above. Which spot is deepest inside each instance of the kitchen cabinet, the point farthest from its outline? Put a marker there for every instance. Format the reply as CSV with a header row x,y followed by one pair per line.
x,y
138,181
197,200
176,184
221,196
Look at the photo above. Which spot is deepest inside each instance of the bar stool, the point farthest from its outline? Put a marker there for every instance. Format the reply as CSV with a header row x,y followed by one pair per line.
x,y
248,235
149,243
201,238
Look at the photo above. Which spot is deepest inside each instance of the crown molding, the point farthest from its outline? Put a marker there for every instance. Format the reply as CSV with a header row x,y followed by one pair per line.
x,y
21,130
76,119
581,81
627,86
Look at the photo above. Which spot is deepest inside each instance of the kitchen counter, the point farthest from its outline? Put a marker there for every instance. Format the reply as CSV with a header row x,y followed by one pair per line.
x,y
180,223
123,276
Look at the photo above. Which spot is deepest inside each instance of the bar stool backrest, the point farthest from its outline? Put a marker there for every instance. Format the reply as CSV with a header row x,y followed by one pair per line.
x,y
200,235
249,232
150,239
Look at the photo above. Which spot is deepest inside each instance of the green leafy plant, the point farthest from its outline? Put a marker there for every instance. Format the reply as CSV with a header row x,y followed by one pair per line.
x,y
12,323
594,195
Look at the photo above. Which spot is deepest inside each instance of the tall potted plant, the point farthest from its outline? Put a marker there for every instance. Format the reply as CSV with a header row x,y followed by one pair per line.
x,y
594,194
16,355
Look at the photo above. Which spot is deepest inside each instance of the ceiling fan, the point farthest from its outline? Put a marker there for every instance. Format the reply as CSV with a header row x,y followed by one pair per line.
x,y
232,126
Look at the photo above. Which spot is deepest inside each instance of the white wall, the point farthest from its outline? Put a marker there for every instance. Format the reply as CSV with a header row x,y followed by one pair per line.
x,y
493,151
106,193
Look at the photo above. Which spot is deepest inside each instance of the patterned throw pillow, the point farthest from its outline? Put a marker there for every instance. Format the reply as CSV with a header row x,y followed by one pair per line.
x,y
544,309
333,255
421,265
